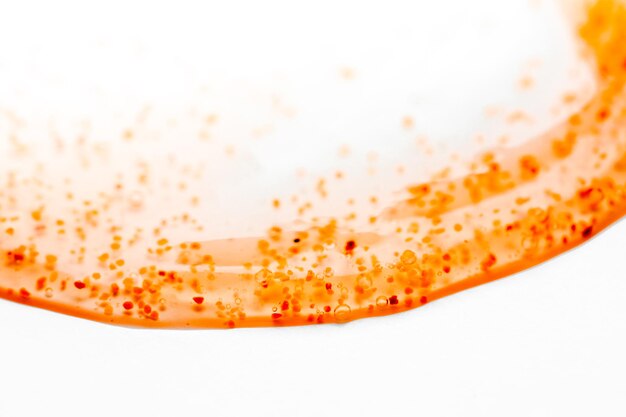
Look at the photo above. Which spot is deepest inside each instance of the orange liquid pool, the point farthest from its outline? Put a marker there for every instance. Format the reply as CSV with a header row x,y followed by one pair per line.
x,y
119,234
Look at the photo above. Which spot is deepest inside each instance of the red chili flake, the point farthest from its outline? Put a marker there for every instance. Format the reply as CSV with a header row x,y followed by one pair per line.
x,y
41,282
393,300
198,300
24,293
115,289
329,286
285,305
230,324
327,309
585,193
147,309
408,290
79,284
276,316
603,114
154,315
350,245
161,273
587,231
488,262
423,299
128,305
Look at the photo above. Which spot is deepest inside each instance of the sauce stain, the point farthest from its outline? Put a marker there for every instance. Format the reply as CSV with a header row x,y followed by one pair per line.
x,y
121,239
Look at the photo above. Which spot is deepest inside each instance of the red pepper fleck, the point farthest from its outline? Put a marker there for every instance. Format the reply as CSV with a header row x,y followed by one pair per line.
x,y
276,316
128,305
488,262
329,286
230,324
585,193
285,305
41,282
198,300
79,284
24,293
393,300
423,299
587,231
350,245
327,309
603,114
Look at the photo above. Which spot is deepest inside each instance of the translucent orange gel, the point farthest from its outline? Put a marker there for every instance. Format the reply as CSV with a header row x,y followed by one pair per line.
x,y
90,232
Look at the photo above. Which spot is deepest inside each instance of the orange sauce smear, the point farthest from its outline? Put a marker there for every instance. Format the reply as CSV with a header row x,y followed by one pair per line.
x,y
95,248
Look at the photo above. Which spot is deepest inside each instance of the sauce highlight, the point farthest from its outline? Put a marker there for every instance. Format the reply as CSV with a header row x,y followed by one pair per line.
x,y
104,235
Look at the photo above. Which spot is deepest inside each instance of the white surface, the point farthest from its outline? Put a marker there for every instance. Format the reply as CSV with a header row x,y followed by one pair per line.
x,y
549,341
546,342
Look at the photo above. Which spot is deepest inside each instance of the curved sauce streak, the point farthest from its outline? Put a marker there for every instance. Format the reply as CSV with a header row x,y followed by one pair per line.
x,y
517,208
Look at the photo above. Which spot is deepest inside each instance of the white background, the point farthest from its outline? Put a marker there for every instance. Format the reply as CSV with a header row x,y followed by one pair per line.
x,y
545,342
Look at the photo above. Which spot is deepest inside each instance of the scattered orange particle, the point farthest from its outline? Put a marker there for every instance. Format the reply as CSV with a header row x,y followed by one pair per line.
x,y
150,235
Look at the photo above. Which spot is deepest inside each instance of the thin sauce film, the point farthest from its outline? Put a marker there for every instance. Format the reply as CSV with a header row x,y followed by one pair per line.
x,y
118,243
